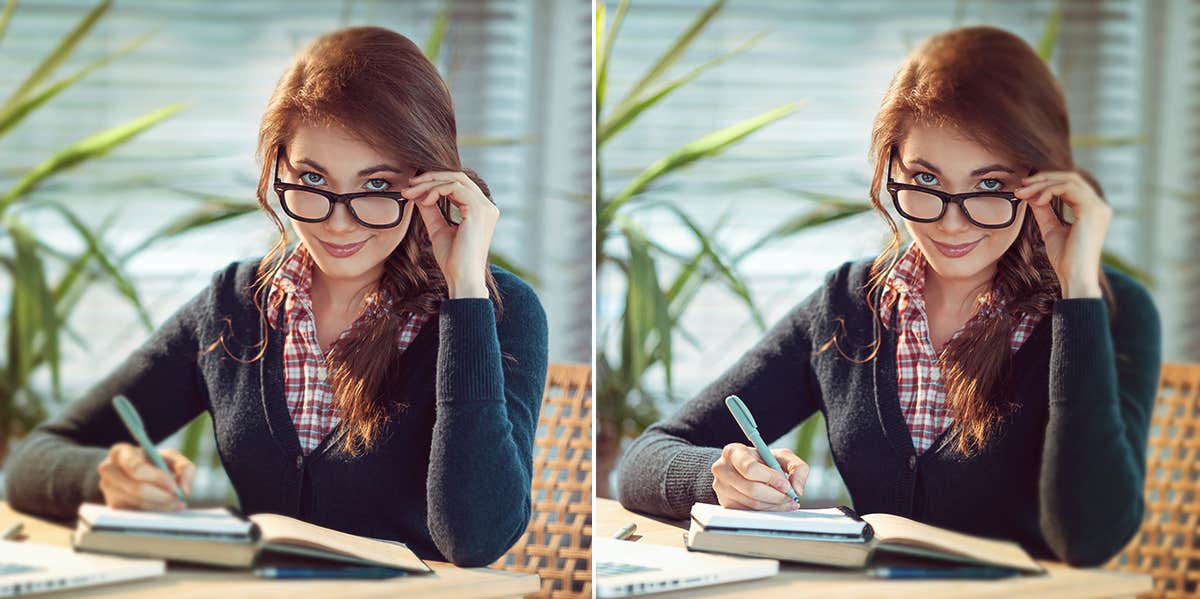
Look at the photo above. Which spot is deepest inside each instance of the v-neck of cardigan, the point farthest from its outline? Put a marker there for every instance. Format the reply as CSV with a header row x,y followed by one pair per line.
x,y
275,410
887,396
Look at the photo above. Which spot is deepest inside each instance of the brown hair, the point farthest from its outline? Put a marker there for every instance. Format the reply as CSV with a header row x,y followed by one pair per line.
x,y
377,86
990,86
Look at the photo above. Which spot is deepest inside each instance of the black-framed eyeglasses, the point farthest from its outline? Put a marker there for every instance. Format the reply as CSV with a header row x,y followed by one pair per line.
x,y
371,209
985,209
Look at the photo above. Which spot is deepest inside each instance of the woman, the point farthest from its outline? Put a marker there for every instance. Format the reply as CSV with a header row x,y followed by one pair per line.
x,y
990,378
378,378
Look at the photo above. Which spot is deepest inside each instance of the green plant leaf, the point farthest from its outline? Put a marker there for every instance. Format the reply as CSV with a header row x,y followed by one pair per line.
x,y
477,141
645,307
6,16
31,312
674,52
708,145
60,53
1049,39
437,34
825,212
14,111
214,209
1120,264
628,110
503,261
604,45
88,148
731,279
808,433
1107,141
193,435
119,279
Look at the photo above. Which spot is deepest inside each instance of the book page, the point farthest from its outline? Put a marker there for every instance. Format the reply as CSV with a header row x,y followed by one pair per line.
x,y
892,529
282,530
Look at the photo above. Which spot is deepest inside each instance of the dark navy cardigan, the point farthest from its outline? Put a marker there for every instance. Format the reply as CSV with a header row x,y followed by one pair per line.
x,y
450,477
1063,476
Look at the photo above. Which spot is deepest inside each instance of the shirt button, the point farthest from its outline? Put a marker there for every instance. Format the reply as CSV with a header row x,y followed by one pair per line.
x,y
912,462
299,462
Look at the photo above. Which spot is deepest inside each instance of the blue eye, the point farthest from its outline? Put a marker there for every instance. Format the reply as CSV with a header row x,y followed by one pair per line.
x,y
382,184
315,180
920,180
991,185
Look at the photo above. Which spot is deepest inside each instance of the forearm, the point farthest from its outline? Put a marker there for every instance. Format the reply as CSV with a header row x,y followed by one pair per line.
x,y
481,456
663,474
50,475
1092,472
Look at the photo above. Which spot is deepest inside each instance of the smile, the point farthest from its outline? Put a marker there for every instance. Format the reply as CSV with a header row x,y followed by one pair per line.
x,y
956,251
343,251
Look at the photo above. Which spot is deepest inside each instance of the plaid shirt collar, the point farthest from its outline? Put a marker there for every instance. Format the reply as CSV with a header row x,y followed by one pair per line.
x,y
907,281
294,281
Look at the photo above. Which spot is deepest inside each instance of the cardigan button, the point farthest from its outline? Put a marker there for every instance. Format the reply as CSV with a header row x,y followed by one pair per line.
x,y
299,462
912,462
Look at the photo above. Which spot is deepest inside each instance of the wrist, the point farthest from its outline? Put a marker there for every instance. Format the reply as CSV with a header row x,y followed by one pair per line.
x,y
1082,289
462,290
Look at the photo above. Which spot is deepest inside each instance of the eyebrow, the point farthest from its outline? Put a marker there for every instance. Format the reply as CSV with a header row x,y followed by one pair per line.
x,y
364,172
983,170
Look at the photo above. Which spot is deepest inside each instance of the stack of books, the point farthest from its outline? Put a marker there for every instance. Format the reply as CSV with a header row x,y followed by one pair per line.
x,y
222,537
840,537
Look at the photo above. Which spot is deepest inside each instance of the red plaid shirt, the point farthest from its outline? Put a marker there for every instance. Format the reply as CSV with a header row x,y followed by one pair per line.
x,y
918,378
305,375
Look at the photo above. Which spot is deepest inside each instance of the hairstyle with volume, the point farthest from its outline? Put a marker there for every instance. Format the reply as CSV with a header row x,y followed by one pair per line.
x,y
991,87
378,87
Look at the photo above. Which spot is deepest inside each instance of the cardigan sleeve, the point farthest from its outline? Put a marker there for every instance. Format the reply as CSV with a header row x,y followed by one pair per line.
x,y
54,468
490,378
667,468
1103,380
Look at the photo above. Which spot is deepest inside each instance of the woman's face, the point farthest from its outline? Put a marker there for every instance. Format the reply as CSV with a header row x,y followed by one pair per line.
x,y
327,158
943,159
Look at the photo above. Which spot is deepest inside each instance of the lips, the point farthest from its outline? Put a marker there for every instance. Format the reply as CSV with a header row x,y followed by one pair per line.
x,y
343,251
956,250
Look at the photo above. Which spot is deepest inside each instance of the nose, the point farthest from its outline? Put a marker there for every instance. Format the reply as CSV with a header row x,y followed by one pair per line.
x,y
340,220
954,221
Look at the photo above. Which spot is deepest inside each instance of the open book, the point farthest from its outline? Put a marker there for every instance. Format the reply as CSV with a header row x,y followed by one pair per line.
x,y
221,538
839,537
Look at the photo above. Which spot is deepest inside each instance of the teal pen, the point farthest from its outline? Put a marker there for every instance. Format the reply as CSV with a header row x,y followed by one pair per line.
x,y
349,572
977,572
133,422
745,420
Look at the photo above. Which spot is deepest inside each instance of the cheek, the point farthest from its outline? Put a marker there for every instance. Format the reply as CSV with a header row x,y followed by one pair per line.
x,y
302,230
1003,239
389,239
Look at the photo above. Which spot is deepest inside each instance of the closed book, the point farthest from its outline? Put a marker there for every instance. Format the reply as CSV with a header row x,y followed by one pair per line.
x,y
783,536
222,537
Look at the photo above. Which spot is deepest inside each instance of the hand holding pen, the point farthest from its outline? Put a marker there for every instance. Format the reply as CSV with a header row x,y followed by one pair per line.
x,y
756,477
143,478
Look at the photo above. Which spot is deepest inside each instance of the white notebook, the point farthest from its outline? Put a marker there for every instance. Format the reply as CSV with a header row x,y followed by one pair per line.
x,y
834,520
212,521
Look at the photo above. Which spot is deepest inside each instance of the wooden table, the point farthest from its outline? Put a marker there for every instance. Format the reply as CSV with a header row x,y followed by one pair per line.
x,y
796,580
182,581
